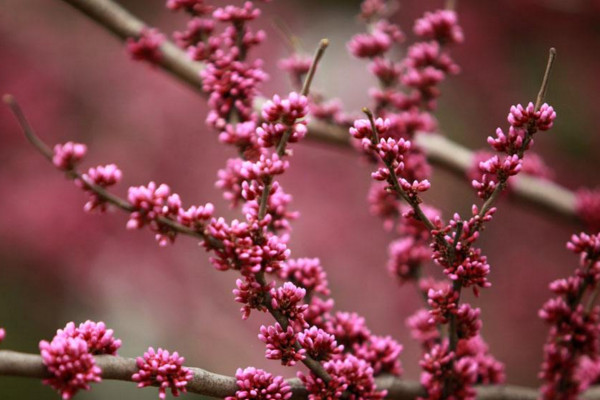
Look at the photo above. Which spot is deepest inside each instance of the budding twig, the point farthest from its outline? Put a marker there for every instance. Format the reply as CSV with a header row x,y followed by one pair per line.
x,y
544,87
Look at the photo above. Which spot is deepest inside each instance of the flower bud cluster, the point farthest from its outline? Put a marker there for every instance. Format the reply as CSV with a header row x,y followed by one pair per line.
x,y
153,204
146,47
69,357
163,369
574,335
524,123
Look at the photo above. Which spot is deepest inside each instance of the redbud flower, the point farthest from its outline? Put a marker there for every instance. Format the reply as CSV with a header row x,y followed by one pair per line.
x,y
318,311
235,14
307,273
251,294
440,25
281,344
423,328
2,334
406,257
468,322
489,370
349,373
70,363
430,54
147,46
67,156
192,6
265,167
103,176
99,339
443,303
162,368
256,384
287,299
365,45
287,110
543,119
383,353
319,345
348,328
195,217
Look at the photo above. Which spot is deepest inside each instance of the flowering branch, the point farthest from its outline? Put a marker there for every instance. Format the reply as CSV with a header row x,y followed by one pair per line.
x,y
208,383
545,195
99,191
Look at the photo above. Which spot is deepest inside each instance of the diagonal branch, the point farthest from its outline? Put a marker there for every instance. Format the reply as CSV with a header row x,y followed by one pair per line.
x,y
207,383
441,151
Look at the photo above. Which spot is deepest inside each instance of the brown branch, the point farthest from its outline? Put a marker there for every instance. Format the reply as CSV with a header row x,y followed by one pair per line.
x,y
210,384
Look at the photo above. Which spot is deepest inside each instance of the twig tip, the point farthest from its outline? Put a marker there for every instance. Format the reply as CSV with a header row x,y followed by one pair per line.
x,y
8,99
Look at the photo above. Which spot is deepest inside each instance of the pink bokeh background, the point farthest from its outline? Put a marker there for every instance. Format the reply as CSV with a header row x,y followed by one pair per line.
x,y
76,82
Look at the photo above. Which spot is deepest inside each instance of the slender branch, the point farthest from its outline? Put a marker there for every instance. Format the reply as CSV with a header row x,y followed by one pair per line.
x,y
102,193
211,384
544,87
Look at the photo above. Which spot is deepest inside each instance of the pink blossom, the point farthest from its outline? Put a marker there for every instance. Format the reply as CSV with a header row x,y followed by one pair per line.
x,y
281,344
350,374
239,249
318,311
198,31
319,345
439,364
163,369
251,294
372,8
102,176
152,202
235,14
256,384
440,25
242,135
348,328
195,217
405,258
365,45
265,167
362,128
287,299
196,7
543,119
2,334
287,110
307,273
67,156
423,328
99,340
70,363
430,54
443,304
147,46
382,352
468,323
489,370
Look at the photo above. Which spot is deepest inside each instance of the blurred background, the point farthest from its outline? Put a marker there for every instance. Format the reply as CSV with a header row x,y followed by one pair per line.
x,y
76,82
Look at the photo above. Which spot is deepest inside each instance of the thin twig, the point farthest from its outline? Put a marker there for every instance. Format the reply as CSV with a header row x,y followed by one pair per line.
x,y
102,193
